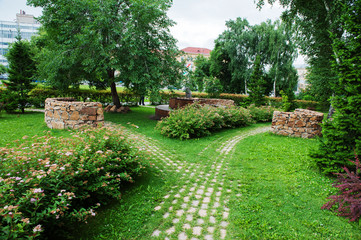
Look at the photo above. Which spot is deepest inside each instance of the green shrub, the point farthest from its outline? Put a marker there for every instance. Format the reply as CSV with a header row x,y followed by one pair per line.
x,y
9,101
288,103
46,182
39,94
195,121
261,114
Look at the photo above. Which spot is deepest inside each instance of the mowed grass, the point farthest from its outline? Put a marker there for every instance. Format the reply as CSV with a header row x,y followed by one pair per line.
x,y
280,192
15,126
277,191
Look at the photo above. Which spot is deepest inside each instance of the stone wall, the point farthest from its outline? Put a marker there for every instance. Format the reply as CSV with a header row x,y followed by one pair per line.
x,y
300,123
62,113
176,103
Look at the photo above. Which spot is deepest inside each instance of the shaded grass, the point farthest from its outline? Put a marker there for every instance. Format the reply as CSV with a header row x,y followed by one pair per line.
x,y
132,216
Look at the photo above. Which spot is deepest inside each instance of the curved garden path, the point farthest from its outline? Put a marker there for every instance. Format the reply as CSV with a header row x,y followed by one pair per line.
x,y
195,208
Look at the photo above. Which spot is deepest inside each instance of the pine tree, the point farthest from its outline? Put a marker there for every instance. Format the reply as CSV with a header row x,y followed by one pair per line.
x,y
257,84
21,72
342,134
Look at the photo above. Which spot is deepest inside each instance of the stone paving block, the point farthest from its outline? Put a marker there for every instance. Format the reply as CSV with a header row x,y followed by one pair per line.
x,y
170,230
197,231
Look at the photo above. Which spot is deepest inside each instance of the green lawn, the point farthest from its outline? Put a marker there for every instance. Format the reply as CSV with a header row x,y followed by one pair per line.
x,y
275,192
15,126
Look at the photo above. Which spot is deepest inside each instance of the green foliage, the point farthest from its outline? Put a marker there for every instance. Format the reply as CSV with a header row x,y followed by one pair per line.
x,y
9,101
288,103
342,135
48,181
194,121
236,50
39,94
261,114
313,22
126,41
220,68
256,86
202,71
213,87
21,74
2,69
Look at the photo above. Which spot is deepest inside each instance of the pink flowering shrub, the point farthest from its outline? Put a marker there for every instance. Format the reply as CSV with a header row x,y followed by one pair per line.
x,y
47,181
195,120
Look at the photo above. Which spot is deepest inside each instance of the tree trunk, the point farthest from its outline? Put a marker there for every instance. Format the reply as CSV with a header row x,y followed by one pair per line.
x,y
113,89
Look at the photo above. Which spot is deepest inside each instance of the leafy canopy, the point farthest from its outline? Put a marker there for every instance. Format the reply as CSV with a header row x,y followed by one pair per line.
x,y
236,50
314,21
109,41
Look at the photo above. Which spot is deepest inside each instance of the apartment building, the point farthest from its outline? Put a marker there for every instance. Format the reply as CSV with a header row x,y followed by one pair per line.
x,y
25,23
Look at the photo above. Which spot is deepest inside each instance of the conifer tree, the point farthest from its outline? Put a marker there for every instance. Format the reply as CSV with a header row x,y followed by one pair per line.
x,y
257,84
21,71
342,134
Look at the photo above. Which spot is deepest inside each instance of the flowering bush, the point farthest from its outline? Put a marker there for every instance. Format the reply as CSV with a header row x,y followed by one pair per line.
x,y
195,121
47,181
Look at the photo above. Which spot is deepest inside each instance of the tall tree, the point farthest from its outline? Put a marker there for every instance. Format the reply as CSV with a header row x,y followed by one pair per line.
x,y
202,71
257,84
21,72
220,67
237,48
108,41
313,21
342,135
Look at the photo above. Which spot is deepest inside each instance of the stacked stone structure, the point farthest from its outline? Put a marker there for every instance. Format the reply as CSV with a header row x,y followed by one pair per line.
x,y
300,123
63,113
176,103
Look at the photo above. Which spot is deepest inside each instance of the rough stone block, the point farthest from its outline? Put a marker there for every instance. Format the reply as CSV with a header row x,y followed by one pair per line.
x,y
74,116
57,125
88,111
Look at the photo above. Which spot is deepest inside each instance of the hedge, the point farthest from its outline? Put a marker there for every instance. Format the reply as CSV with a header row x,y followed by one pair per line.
x,y
39,94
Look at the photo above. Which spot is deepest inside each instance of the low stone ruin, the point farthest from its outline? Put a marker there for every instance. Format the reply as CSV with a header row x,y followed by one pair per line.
x,y
300,123
63,113
176,103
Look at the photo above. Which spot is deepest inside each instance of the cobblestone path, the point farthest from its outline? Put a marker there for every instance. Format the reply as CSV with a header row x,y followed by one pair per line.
x,y
196,208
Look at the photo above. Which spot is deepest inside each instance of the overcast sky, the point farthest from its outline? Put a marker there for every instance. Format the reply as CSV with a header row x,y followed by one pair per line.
x,y
199,22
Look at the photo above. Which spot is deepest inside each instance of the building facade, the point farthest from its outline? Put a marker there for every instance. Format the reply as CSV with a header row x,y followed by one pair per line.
x,y
190,54
302,81
25,24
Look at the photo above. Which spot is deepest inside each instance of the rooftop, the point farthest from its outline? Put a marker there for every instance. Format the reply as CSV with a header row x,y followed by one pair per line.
x,y
195,50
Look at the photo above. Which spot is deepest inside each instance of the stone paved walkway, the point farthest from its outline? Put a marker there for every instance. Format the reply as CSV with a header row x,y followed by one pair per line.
x,y
196,208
